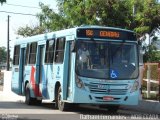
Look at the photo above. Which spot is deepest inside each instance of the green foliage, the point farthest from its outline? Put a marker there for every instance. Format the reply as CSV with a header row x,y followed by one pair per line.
x,y
151,55
3,55
50,20
115,13
30,31
152,96
154,72
96,12
2,1
147,16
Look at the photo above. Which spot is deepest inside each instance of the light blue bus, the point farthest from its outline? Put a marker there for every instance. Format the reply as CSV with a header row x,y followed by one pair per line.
x,y
88,64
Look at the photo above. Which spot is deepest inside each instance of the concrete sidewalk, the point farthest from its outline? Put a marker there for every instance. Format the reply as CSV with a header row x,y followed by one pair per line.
x,y
10,96
148,106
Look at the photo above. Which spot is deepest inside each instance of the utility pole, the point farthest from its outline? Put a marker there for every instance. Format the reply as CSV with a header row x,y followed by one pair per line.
x,y
8,51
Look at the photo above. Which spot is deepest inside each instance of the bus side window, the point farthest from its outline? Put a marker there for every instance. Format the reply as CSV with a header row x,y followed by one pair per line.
x,y
27,54
16,55
49,51
59,52
32,53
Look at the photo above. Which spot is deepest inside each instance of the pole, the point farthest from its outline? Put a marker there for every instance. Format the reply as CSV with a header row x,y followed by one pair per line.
x,y
159,81
8,51
148,80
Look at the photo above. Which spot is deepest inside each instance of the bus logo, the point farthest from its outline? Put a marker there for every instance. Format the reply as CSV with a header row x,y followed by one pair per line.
x,y
58,69
106,87
113,74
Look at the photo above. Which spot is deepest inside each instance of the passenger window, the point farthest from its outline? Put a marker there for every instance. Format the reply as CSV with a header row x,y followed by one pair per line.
x,y
27,54
59,52
32,54
49,51
16,55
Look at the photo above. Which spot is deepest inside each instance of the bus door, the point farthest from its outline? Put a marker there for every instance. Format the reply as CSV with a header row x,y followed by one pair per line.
x,y
21,70
39,70
70,69
66,90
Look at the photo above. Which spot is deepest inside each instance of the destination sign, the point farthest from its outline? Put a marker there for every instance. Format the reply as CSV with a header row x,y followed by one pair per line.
x,y
106,33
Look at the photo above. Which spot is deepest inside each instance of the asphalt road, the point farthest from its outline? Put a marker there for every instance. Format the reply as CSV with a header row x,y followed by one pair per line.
x,y
18,110
12,107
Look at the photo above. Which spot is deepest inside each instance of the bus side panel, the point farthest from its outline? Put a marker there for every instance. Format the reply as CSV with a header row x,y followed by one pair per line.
x,y
15,80
30,77
58,74
43,83
47,87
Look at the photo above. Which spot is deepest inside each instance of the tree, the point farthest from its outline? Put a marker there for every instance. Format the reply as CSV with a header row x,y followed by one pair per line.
x,y
3,55
147,16
151,49
96,12
2,1
77,12
115,13
30,31
49,21
141,16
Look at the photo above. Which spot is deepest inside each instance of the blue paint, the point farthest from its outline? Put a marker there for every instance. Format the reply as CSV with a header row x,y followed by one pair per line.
x,y
44,83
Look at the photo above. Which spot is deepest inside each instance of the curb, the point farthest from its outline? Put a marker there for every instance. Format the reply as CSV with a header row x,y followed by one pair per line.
x,y
145,106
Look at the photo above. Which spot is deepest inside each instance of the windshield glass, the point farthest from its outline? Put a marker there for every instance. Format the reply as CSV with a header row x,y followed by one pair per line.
x,y
106,60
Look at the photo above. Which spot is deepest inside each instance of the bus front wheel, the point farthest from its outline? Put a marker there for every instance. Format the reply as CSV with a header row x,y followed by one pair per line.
x,y
113,109
110,108
62,106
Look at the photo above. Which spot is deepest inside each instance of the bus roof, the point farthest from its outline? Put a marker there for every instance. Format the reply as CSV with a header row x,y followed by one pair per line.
x,y
61,33
103,27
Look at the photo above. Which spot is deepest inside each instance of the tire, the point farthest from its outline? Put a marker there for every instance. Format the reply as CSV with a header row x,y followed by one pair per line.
x,y
28,99
62,106
110,108
113,109
37,102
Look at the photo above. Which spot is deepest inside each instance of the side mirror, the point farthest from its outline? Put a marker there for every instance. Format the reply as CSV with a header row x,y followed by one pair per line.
x,y
139,42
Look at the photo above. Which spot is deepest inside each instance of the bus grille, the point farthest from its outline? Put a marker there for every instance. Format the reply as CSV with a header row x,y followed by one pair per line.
x,y
108,89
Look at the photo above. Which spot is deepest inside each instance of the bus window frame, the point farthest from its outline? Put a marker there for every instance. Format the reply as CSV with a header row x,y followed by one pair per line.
x,y
57,50
31,54
16,62
110,42
48,52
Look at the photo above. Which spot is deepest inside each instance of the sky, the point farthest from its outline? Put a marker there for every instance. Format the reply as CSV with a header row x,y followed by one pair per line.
x,y
16,20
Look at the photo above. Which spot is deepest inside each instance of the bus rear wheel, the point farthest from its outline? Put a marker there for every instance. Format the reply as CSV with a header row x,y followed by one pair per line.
x,y
62,106
28,99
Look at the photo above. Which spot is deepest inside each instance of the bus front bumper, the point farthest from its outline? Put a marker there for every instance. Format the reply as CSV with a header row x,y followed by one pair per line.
x,y
82,96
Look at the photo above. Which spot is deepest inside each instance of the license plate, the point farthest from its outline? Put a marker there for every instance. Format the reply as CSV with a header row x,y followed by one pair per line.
x,y
108,98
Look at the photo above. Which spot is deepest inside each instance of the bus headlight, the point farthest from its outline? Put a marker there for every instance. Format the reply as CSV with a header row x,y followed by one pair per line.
x,y
135,86
79,83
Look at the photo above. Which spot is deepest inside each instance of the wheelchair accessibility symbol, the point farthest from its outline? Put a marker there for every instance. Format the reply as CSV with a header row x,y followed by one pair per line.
x,y
113,74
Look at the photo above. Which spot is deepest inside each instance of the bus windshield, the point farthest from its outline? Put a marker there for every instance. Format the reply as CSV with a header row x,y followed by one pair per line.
x,y
107,60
